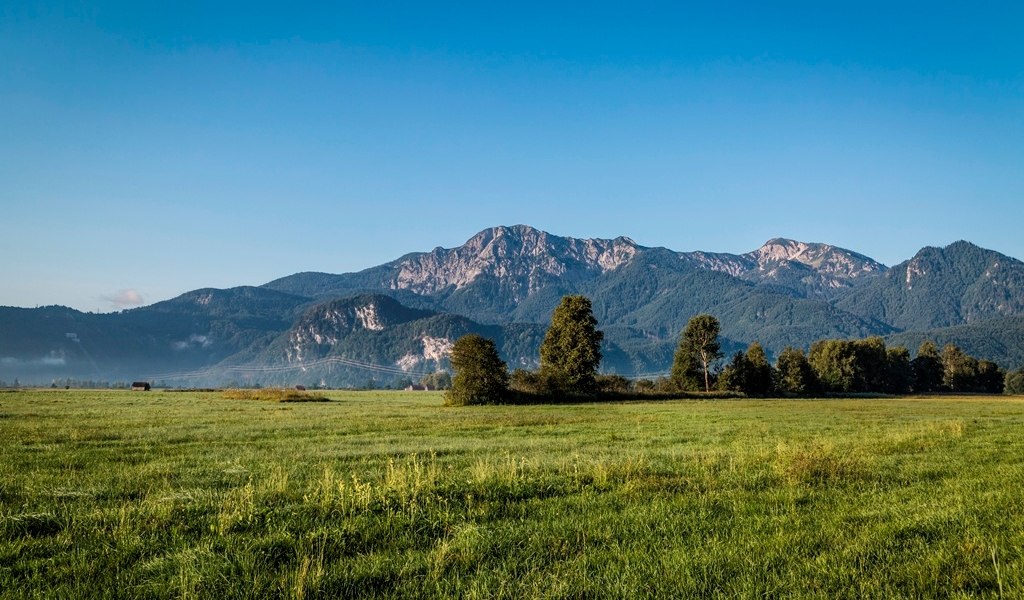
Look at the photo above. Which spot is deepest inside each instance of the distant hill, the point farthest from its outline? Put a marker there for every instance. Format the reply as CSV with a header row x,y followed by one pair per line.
x,y
942,287
376,337
396,321
195,330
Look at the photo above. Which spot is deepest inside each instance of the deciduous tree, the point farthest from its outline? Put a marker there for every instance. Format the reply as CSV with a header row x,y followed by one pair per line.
x,y
927,369
571,351
1014,383
481,377
959,370
872,362
439,380
734,376
835,364
990,377
761,379
795,375
899,375
749,372
698,349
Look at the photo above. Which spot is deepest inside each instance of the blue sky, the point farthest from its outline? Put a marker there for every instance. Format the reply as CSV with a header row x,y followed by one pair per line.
x,y
148,151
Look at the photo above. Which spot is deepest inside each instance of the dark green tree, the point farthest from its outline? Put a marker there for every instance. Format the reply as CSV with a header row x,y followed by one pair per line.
x,y
735,375
698,350
761,380
990,377
616,384
1014,383
527,382
571,351
927,369
898,373
481,377
749,372
870,365
794,373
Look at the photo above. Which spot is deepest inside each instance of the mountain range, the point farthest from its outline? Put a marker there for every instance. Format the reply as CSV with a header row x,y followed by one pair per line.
x,y
397,321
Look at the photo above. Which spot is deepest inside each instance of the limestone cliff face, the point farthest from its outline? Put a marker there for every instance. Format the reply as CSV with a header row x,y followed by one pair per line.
x,y
809,269
523,259
321,327
823,258
375,335
510,265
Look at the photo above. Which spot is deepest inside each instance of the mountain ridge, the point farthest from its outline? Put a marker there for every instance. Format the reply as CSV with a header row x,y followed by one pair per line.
x,y
487,253
400,316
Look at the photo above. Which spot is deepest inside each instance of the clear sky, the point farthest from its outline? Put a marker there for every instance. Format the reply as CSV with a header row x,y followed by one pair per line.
x,y
148,151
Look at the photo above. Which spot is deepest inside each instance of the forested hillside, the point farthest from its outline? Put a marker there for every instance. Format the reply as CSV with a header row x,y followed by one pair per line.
x,y
504,283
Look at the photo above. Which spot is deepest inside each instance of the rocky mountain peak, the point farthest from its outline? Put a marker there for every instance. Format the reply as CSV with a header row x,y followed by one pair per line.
x,y
809,269
504,242
786,249
517,252
823,258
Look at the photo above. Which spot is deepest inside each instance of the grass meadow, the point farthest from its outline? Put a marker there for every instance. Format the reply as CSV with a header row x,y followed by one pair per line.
x,y
390,494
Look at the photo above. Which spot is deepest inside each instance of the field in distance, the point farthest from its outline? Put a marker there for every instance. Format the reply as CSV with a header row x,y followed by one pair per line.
x,y
390,494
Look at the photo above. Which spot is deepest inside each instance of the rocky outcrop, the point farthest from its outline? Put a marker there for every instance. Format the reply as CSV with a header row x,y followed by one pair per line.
x,y
522,257
808,269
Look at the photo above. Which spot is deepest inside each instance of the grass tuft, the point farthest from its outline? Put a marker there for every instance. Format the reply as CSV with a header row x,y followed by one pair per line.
x,y
821,464
275,395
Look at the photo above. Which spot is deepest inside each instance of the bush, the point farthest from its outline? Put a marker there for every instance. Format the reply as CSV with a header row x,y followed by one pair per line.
x,y
644,386
1014,384
613,383
481,377
527,382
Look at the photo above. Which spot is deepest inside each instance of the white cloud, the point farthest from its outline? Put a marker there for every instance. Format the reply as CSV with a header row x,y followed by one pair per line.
x,y
125,298
193,340
53,360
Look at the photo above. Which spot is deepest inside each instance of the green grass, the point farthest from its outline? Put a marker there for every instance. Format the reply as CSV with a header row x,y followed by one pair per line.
x,y
138,495
274,395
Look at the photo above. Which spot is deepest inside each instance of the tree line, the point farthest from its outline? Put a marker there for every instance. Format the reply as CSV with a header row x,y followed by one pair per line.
x,y
860,366
570,355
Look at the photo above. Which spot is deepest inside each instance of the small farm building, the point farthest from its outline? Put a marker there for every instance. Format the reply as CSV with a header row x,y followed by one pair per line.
x,y
140,386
